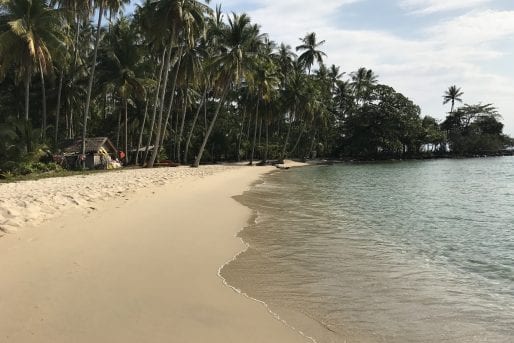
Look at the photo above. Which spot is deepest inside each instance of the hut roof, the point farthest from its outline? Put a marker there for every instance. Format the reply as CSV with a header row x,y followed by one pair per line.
x,y
93,144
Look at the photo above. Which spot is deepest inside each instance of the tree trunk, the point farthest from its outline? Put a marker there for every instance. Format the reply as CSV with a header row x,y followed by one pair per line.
x,y
91,78
195,119
58,111
118,130
182,122
155,106
255,132
313,141
241,136
140,140
71,133
205,117
267,141
299,138
161,110
173,87
28,137
284,148
43,100
127,159
27,94
211,126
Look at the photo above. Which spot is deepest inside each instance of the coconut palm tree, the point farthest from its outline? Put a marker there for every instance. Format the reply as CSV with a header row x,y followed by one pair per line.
x,y
32,36
311,53
191,77
363,81
119,66
265,81
453,94
238,44
181,21
103,6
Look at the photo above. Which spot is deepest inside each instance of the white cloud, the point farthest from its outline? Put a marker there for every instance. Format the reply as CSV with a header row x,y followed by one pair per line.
x,y
433,6
476,28
462,50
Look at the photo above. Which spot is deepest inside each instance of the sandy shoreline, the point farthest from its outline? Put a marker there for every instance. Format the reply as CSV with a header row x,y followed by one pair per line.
x,y
137,268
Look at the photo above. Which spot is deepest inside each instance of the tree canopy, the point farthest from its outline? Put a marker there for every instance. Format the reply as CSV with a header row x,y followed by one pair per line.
x,y
178,80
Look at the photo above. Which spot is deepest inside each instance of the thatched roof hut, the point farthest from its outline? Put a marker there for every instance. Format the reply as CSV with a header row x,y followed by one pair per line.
x,y
93,145
99,151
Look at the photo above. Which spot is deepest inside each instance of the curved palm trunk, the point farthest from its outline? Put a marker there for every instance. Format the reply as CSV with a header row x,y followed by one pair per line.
x,y
58,111
91,78
211,126
140,140
182,122
43,100
255,132
161,110
155,106
299,138
195,119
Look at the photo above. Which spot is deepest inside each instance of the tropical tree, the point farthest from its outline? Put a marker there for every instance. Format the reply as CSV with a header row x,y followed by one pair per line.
x,y
311,53
119,67
182,21
363,81
31,36
452,95
103,6
239,42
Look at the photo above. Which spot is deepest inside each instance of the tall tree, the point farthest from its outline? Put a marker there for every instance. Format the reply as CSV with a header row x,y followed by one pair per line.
x,y
451,95
33,34
239,42
120,67
103,6
311,53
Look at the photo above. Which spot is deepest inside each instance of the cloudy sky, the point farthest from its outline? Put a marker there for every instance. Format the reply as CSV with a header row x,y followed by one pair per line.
x,y
420,47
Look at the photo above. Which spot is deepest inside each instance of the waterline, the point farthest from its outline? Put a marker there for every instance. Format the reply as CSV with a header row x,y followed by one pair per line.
x,y
405,252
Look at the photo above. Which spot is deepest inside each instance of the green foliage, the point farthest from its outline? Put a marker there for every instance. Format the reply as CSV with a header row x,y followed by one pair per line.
x,y
152,71
474,130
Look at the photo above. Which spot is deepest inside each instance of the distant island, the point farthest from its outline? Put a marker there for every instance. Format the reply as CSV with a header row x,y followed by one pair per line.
x,y
178,82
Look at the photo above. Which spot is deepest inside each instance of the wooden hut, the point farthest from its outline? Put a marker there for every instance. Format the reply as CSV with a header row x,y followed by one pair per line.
x,y
100,153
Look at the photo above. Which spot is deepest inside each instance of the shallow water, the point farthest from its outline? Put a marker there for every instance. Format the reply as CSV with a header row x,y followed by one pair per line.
x,y
392,252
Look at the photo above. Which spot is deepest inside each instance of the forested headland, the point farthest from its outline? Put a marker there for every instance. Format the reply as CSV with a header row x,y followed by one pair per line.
x,y
178,80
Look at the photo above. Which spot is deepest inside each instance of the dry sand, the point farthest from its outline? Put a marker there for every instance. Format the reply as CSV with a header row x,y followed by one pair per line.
x,y
136,268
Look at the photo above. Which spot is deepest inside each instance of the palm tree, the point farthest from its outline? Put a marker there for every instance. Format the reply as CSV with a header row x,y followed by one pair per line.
x,y
363,81
265,81
119,61
453,94
32,36
191,76
311,53
181,21
238,44
103,6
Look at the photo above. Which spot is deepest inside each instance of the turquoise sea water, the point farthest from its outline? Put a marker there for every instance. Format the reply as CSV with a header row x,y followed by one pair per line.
x,y
393,252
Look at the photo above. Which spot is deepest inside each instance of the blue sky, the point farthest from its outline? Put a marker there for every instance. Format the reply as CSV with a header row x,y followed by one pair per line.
x,y
420,47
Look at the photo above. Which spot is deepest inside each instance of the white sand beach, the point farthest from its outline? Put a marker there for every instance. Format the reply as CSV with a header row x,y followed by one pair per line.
x,y
129,256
